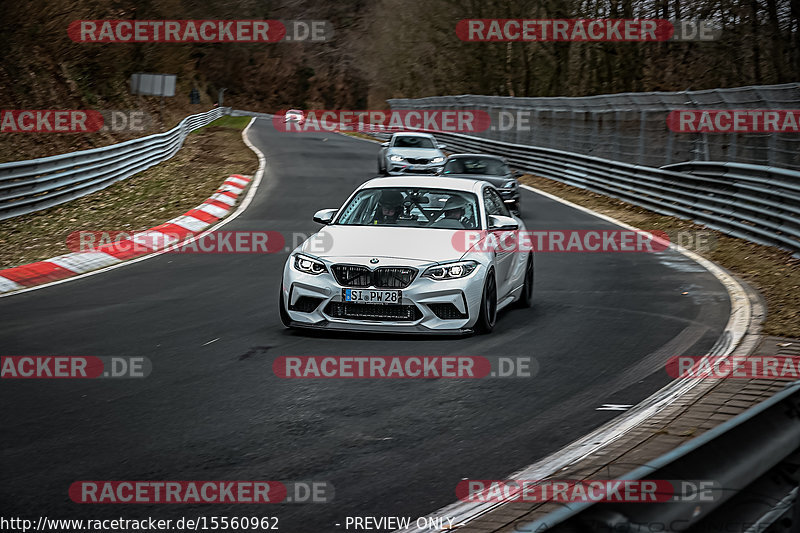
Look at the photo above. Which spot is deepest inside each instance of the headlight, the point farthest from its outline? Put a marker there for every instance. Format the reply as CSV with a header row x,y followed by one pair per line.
x,y
395,158
510,184
437,159
456,270
306,264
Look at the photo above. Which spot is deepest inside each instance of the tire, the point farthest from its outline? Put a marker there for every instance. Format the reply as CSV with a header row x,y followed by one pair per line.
x,y
526,295
488,311
285,319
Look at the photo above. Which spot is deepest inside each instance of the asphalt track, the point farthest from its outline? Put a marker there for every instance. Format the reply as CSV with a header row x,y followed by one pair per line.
x,y
602,326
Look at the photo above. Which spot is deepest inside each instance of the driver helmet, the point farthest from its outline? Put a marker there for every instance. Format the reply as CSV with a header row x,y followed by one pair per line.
x,y
455,202
391,199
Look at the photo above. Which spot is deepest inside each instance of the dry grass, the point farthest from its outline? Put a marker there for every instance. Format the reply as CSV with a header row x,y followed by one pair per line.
x,y
147,199
360,135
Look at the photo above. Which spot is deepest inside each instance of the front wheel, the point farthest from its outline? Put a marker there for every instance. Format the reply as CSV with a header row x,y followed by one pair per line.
x,y
488,311
526,296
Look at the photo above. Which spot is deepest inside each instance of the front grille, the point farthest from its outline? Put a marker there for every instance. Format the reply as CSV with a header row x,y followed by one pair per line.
x,y
305,304
352,276
393,277
418,161
381,278
447,311
403,313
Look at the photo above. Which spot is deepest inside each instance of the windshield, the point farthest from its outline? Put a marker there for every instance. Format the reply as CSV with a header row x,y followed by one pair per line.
x,y
476,165
413,142
418,208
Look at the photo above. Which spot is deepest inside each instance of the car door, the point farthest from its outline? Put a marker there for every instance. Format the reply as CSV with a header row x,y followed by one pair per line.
x,y
504,258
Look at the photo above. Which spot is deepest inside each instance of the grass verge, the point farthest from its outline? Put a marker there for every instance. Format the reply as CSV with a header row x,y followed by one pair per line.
x,y
360,135
773,272
149,198
227,121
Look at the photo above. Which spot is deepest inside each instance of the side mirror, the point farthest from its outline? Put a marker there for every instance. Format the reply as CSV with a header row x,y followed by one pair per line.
x,y
324,216
385,144
442,146
517,173
502,223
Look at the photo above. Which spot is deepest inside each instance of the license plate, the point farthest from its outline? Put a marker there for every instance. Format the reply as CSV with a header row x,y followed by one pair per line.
x,y
369,296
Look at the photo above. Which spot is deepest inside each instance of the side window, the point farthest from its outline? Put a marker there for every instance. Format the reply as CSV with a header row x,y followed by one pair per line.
x,y
494,204
491,206
500,203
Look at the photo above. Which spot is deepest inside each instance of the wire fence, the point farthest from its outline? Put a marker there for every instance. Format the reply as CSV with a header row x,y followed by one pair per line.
x,y
632,127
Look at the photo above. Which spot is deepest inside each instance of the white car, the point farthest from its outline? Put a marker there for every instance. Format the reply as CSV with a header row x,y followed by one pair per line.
x,y
408,254
294,115
410,153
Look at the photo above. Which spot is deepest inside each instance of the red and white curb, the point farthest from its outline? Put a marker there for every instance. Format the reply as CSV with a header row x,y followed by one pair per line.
x,y
143,243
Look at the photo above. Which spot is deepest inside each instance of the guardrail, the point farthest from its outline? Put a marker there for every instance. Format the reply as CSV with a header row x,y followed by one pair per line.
x,y
751,459
29,186
757,203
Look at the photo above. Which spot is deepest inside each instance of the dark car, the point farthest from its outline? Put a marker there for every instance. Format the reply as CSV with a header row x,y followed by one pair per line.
x,y
491,168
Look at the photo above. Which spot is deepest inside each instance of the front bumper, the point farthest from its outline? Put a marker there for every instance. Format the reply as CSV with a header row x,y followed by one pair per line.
x,y
404,168
316,302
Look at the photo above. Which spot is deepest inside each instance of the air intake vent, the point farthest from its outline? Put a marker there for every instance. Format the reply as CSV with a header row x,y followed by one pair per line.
x,y
403,313
447,311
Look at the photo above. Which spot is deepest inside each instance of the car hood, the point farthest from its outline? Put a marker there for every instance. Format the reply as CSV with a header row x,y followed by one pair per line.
x,y
427,153
412,245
